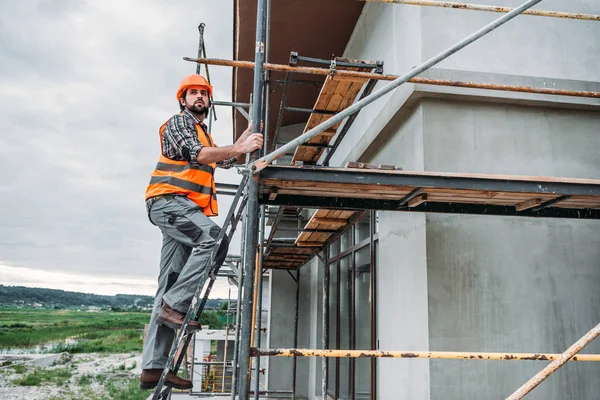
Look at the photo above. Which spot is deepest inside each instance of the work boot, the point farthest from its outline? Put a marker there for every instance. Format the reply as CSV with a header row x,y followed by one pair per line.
x,y
174,319
150,377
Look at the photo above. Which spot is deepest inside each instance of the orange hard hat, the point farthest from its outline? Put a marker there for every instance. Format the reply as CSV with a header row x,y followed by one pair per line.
x,y
194,80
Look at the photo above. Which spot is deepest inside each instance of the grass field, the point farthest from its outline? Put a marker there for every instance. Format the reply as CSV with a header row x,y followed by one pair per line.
x,y
105,331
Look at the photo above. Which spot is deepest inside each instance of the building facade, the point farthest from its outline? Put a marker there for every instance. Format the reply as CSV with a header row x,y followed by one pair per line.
x,y
416,281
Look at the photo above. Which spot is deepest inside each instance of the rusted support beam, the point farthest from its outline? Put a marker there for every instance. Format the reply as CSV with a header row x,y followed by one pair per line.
x,y
558,362
479,7
416,354
418,80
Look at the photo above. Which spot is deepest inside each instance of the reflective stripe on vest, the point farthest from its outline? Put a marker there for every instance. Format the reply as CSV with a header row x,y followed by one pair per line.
x,y
180,177
173,181
161,166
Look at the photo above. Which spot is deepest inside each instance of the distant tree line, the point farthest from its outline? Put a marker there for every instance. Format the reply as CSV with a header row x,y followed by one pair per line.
x,y
26,296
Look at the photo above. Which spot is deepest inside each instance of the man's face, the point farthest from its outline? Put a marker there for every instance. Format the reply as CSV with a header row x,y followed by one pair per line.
x,y
197,99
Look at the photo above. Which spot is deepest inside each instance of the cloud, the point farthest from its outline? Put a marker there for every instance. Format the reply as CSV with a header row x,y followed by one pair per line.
x,y
84,86
88,283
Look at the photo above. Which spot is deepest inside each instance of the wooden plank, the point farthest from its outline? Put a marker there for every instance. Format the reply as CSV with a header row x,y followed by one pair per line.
x,y
351,95
273,194
354,194
311,244
356,79
340,93
333,214
387,189
526,205
420,199
336,94
331,221
271,183
394,189
289,257
354,164
290,250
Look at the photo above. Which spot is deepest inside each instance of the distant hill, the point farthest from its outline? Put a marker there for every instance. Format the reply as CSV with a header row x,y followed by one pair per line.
x,y
53,298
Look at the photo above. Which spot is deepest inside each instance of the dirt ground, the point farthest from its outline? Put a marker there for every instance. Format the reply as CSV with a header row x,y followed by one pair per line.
x,y
96,370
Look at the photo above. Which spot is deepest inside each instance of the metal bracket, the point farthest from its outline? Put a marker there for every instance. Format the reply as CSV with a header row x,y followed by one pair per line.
x,y
244,113
332,66
293,58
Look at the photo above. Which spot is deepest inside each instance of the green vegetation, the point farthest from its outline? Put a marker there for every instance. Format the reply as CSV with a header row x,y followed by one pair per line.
x,y
84,380
97,332
116,388
55,376
211,318
92,332
28,380
108,341
19,368
126,389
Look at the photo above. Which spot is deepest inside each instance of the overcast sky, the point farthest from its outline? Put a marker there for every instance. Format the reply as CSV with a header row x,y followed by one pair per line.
x,y
84,87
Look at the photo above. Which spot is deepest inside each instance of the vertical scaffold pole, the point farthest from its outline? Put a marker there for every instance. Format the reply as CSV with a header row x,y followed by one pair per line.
x,y
295,365
258,306
325,335
263,209
252,216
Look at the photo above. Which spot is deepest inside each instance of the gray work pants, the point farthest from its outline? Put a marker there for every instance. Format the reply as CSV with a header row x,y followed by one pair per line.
x,y
189,237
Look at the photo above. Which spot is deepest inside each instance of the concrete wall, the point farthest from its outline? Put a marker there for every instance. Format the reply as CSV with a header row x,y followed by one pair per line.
x,y
281,335
491,283
508,284
526,45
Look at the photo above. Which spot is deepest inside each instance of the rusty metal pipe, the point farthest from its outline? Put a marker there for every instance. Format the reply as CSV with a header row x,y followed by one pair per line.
x,y
416,354
558,362
418,80
257,273
479,7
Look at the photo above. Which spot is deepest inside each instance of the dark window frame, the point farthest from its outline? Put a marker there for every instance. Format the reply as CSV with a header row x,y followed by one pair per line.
x,y
333,261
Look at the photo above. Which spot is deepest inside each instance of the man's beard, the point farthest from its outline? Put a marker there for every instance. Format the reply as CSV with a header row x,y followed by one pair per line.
x,y
197,109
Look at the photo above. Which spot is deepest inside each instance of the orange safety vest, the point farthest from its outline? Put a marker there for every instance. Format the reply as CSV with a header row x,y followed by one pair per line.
x,y
197,182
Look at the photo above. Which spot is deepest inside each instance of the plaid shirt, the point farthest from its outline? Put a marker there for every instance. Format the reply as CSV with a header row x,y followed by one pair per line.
x,y
180,140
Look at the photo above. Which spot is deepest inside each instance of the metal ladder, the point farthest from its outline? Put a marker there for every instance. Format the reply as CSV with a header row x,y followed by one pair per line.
x,y
197,306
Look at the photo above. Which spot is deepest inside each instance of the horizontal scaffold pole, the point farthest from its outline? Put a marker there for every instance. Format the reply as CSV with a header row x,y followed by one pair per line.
x,y
479,7
254,352
418,80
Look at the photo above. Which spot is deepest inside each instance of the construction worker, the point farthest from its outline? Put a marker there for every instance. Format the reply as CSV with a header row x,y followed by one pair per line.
x,y
180,199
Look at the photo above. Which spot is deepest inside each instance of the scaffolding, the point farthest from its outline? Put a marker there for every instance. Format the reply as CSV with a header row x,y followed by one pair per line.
x,y
343,196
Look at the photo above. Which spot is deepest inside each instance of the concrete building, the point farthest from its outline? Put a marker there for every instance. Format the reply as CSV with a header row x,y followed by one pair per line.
x,y
440,281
